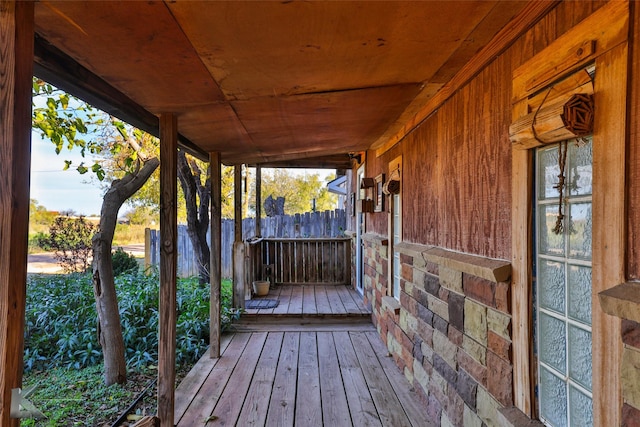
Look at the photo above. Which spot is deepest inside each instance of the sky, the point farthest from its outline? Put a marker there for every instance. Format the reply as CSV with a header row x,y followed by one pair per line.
x,y
63,190
57,189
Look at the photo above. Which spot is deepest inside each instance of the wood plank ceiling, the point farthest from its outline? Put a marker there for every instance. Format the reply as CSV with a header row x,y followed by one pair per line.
x,y
268,82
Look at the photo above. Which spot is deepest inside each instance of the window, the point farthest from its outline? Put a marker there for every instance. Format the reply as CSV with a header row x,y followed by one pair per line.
x,y
396,214
562,295
393,188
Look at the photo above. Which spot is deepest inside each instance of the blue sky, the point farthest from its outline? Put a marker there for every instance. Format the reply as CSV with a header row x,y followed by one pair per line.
x,y
57,189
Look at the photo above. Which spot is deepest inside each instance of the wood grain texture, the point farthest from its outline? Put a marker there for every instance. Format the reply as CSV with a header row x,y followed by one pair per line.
x,y
608,27
501,41
609,228
16,69
168,268
215,273
633,161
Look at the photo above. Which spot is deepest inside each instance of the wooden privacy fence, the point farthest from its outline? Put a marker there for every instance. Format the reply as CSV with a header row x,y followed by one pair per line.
x,y
308,225
309,261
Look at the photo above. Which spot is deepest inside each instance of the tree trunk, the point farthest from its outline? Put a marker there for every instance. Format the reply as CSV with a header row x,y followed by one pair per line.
x,y
109,326
195,191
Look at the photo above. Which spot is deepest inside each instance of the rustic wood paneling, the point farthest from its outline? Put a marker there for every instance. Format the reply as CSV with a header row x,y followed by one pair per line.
x,y
457,162
16,68
633,168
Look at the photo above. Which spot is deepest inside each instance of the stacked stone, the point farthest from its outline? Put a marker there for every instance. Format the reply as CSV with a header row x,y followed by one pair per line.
x,y
631,373
450,333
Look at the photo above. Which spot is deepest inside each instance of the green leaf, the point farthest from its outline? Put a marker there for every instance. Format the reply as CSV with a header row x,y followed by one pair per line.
x,y
67,164
82,169
64,101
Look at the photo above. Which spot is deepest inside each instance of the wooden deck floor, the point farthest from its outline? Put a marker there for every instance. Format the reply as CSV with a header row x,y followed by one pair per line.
x,y
330,300
299,376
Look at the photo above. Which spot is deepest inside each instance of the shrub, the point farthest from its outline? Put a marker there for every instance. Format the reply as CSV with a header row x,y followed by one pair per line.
x,y
70,238
60,329
124,262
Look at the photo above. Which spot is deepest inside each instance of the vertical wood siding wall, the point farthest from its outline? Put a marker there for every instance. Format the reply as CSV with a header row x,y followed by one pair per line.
x,y
457,163
456,191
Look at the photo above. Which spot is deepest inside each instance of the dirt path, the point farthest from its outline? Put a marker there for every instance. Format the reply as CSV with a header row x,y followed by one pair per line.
x,y
45,262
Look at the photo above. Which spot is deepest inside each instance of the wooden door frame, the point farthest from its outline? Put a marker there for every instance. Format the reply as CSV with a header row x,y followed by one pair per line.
x,y
608,28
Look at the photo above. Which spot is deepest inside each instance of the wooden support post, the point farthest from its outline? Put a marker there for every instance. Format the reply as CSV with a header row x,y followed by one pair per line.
x,y
258,232
168,268
16,71
238,245
216,254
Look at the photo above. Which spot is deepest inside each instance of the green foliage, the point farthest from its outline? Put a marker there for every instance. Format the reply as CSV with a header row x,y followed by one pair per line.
x,y
64,119
78,397
70,238
60,329
298,191
38,214
124,263
39,242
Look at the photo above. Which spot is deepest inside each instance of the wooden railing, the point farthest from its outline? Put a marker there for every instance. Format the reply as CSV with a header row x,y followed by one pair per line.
x,y
302,261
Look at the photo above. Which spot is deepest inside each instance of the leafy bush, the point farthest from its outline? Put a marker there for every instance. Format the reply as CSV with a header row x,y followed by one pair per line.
x,y
70,238
124,262
60,329
39,242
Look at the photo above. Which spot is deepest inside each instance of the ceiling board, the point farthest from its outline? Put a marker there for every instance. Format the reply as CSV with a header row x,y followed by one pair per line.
x,y
272,81
333,120
283,48
135,46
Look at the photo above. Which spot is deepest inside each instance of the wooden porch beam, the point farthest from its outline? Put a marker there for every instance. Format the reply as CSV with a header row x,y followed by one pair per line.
x,y
238,245
216,254
258,223
168,268
16,69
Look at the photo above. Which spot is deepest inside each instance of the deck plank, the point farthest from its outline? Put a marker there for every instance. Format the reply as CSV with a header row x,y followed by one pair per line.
x,y
347,300
335,410
309,300
196,377
295,302
387,404
308,403
284,296
256,404
205,400
230,403
337,307
361,406
399,383
322,301
283,397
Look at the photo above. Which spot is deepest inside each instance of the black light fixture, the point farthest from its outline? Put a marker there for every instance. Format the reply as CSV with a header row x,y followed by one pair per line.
x,y
356,157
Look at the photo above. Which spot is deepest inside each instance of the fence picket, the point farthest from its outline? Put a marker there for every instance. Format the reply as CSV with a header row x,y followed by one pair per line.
x,y
317,224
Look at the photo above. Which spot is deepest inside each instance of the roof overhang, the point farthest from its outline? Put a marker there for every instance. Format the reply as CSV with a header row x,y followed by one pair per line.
x,y
272,83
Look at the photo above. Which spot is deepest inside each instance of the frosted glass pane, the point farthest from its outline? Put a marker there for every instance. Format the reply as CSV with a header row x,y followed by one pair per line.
x,y
553,399
579,285
580,230
552,342
548,171
550,243
581,407
580,171
551,285
580,356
